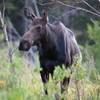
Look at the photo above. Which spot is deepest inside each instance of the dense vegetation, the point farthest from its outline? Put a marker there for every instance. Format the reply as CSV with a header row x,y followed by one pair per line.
x,y
19,75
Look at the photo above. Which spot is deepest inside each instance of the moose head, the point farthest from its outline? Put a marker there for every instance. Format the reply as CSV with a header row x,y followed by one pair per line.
x,y
36,30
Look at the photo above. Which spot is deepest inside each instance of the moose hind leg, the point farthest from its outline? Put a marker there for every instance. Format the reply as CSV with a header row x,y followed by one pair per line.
x,y
64,84
45,78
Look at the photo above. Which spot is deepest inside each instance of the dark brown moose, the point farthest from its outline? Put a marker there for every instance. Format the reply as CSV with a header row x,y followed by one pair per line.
x,y
56,44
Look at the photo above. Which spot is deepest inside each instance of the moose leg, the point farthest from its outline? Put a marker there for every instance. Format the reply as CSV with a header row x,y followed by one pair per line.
x,y
64,84
45,78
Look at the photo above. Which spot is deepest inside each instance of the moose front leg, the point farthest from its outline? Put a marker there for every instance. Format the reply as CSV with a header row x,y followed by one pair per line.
x,y
45,78
64,84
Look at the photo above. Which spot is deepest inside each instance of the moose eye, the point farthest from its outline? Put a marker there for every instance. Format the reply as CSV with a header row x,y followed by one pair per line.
x,y
39,28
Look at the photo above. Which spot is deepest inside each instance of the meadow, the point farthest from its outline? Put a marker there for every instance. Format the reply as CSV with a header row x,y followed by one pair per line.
x,y
20,78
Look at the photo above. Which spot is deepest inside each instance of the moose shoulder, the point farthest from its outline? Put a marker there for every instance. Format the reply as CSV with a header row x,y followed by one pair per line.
x,y
56,45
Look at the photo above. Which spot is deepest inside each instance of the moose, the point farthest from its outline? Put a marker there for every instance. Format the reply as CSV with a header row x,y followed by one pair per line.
x,y
56,45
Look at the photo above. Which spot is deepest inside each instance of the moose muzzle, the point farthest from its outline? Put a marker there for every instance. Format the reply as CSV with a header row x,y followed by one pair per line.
x,y
24,45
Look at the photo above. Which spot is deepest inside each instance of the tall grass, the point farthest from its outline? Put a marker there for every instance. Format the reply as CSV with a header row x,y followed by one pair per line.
x,y
20,80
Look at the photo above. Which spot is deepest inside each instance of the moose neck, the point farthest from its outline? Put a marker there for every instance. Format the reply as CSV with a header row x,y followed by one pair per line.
x,y
47,40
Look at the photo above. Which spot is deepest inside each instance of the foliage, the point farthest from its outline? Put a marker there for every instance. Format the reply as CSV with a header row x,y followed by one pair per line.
x,y
94,35
83,19
18,81
94,31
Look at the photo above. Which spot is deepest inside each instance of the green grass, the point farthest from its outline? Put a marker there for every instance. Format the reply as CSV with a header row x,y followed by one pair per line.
x,y
20,80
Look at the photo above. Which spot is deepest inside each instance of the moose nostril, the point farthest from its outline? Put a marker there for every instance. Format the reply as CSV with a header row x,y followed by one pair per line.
x,y
20,46
26,45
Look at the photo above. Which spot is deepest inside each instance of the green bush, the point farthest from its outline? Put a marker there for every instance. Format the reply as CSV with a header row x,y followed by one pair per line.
x,y
94,34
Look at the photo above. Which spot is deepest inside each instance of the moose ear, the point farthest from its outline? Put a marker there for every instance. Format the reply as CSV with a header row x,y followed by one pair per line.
x,y
45,17
29,13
